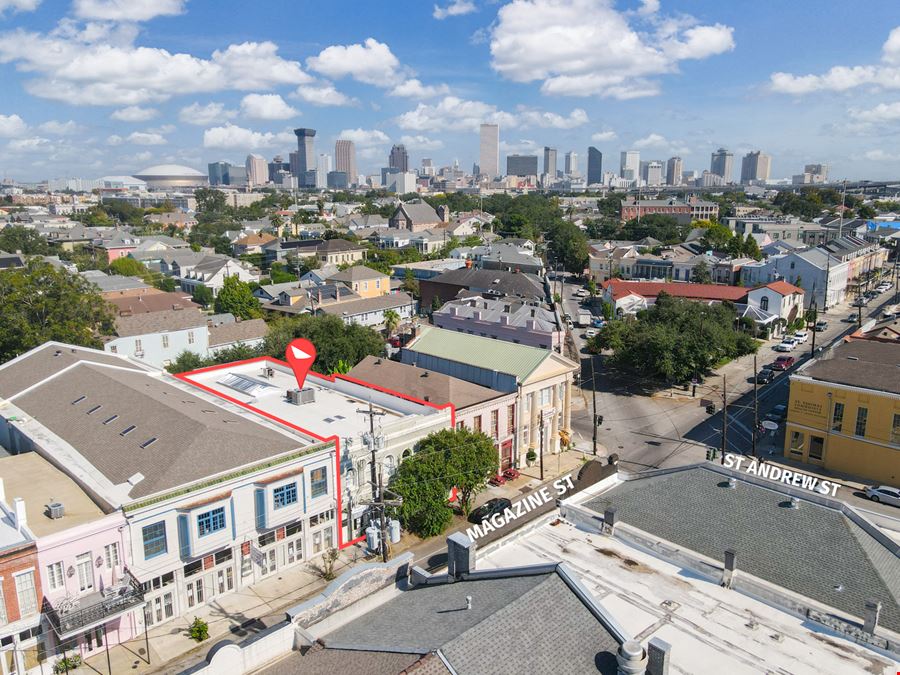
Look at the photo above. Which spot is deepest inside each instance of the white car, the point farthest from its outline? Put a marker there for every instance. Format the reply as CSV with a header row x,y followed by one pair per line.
x,y
786,345
590,333
800,336
884,494
581,293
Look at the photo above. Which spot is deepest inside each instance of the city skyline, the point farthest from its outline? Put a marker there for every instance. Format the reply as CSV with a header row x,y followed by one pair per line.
x,y
100,88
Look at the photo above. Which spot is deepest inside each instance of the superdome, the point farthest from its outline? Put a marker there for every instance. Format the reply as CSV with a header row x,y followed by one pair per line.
x,y
169,176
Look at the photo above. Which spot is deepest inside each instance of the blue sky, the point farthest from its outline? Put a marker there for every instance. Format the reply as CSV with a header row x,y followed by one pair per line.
x,y
99,87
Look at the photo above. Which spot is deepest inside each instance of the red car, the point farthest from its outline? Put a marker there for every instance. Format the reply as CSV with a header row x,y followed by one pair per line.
x,y
511,474
783,362
497,480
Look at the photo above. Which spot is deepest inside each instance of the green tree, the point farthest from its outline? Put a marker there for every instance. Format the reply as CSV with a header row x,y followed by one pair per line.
x,y
210,200
663,227
391,321
341,367
334,340
17,238
41,303
421,480
701,274
865,211
279,274
202,295
716,237
164,283
128,267
436,303
471,461
410,283
568,244
751,248
187,361
236,298
592,287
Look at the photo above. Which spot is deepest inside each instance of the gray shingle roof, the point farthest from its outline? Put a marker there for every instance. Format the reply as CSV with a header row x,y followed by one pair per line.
x,y
159,322
860,363
195,438
420,213
357,273
382,302
238,331
811,550
507,283
319,661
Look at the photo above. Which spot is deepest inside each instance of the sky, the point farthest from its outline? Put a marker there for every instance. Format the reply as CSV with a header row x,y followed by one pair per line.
x,y
109,87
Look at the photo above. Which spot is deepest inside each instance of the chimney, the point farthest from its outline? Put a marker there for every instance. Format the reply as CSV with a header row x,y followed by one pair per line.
x,y
19,513
871,615
337,292
631,659
460,556
730,567
504,319
468,263
609,521
320,297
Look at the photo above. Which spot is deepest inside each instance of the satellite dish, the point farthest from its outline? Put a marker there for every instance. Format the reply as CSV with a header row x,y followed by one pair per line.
x,y
770,425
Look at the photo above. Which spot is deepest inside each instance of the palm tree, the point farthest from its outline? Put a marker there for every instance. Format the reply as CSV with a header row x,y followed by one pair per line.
x,y
391,321
342,367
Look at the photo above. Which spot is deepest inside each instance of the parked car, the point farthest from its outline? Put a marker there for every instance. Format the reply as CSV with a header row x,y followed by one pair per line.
x,y
881,288
598,323
589,333
820,326
852,318
765,376
783,363
488,509
884,494
860,302
786,345
801,336
777,414
511,474
582,293
889,314
497,480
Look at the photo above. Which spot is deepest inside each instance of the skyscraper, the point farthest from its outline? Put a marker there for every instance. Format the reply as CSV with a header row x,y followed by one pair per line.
x,y
345,159
755,167
521,165
218,173
257,170
674,169
722,164
323,168
630,165
304,161
595,166
489,150
399,158
571,163
550,161
652,172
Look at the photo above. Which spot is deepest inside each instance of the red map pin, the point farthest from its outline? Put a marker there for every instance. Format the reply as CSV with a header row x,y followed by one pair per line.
x,y
300,354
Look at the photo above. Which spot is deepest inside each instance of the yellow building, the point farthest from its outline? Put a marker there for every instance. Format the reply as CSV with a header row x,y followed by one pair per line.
x,y
844,411
364,281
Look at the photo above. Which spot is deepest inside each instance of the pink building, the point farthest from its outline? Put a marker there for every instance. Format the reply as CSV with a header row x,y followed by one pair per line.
x,y
89,599
117,246
505,319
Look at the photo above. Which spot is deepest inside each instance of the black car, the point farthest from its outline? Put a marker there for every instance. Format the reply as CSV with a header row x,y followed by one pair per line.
x,y
489,508
765,376
777,414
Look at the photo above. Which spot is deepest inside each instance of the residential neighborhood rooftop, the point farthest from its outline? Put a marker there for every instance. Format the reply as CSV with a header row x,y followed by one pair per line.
x,y
868,364
159,322
237,331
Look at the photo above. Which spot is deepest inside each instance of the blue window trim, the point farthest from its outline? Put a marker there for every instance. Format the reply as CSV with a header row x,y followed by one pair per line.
x,y
155,539
314,483
215,521
284,495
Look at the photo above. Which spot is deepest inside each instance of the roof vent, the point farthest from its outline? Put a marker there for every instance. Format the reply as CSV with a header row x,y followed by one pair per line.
x,y
853,358
732,483
56,510
468,602
795,503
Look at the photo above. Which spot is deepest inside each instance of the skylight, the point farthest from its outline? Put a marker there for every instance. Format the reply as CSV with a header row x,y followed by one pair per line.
x,y
148,442
110,419
94,409
79,399
245,384
127,430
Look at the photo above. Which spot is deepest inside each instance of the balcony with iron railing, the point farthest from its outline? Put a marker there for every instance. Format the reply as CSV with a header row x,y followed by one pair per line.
x,y
71,616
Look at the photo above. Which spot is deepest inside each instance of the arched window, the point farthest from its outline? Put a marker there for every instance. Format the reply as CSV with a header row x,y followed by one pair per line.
x,y
406,453
764,303
389,467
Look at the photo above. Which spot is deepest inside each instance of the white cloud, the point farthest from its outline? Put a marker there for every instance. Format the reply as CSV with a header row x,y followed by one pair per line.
x,y
602,136
134,113
551,120
365,138
842,78
146,138
881,156
414,88
323,94
115,139
33,144
126,10
587,48
19,5
648,7
419,142
12,126
883,112
101,66
231,136
371,62
659,142
55,128
266,107
204,115
455,8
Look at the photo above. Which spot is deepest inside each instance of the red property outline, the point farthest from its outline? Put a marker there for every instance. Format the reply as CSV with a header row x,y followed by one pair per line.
x,y
186,378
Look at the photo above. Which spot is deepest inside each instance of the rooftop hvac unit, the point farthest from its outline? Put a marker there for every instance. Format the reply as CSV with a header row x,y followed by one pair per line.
x,y
301,396
268,372
56,510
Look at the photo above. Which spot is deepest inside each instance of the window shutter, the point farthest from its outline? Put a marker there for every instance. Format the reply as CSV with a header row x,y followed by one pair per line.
x,y
260,509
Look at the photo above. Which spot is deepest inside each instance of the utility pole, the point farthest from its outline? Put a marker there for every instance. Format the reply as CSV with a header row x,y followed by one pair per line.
x,y
724,419
594,397
372,414
542,445
755,407
380,505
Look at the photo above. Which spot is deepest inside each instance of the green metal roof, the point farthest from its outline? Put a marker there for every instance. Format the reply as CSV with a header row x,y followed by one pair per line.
x,y
482,352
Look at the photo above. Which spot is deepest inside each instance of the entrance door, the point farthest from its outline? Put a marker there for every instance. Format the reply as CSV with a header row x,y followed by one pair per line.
x,y
267,562
93,639
506,455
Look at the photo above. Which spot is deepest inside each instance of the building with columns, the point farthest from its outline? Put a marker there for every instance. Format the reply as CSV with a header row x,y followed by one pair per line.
x,y
541,379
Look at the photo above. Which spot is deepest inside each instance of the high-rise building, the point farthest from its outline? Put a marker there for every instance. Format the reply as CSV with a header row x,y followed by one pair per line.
x,y
323,167
755,167
652,172
345,159
630,165
674,168
550,161
818,170
521,165
237,176
276,167
595,166
304,161
489,150
399,158
218,173
427,167
571,163
722,164
257,170
337,180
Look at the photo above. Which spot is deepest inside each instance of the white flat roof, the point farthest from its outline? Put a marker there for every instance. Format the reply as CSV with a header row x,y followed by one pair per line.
x,y
334,411
711,629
